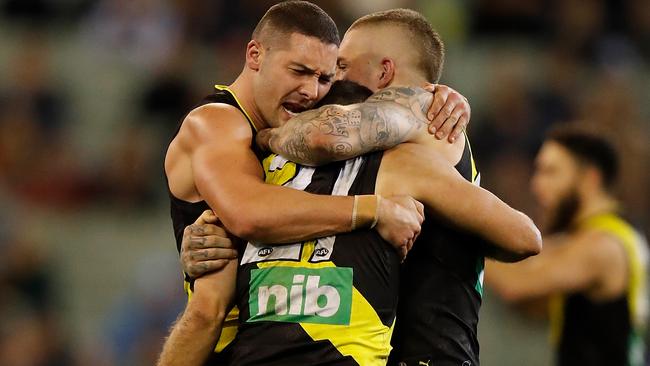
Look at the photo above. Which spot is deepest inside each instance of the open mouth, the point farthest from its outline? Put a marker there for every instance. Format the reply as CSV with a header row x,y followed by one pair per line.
x,y
293,109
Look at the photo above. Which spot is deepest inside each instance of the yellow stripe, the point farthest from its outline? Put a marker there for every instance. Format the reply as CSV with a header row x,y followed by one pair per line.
x,y
281,175
612,224
224,87
471,157
556,315
636,287
366,338
307,250
295,264
229,330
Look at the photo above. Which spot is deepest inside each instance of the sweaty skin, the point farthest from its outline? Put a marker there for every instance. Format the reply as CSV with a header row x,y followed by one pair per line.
x,y
335,132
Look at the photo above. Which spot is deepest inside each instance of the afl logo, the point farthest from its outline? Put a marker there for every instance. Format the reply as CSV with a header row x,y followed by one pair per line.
x,y
264,252
321,252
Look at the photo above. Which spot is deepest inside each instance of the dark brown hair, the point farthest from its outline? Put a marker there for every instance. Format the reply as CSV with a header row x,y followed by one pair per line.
x,y
588,148
300,17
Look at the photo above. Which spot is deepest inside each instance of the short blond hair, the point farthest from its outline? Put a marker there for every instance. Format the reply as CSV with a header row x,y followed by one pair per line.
x,y
428,44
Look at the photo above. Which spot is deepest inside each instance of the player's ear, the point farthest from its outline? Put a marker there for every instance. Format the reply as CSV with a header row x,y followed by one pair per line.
x,y
592,179
254,55
387,75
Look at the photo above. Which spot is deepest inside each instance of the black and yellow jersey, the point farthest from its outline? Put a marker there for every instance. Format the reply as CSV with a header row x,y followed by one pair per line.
x,y
440,292
330,301
184,213
610,332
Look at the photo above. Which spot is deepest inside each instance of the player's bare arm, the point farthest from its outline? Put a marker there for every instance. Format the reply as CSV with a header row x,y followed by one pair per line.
x,y
334,132
211,159
435,182
591,262
195,333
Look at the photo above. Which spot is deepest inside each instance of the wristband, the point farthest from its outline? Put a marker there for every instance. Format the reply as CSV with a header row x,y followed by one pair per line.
x,y
364,211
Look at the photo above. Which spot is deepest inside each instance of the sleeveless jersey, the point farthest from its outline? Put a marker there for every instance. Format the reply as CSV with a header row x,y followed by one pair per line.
x,y
440,293
330,301
610,332
184,213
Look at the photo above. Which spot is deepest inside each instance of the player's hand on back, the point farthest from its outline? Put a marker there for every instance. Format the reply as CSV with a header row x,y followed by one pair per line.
x,y
206,247
399,221
449,112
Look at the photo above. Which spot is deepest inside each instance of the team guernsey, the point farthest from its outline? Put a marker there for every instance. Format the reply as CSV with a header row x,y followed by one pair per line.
x,y
440,293
184,213
610,332
330,301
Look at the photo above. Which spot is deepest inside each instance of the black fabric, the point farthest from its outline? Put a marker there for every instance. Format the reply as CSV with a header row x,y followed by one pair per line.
x,y
275,343
376,276
439,302
595,334
184,213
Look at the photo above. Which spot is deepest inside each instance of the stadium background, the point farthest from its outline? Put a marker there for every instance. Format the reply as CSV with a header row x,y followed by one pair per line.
x,y
90,91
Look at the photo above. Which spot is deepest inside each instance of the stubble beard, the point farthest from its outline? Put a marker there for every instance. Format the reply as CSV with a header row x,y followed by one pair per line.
x,y
560,218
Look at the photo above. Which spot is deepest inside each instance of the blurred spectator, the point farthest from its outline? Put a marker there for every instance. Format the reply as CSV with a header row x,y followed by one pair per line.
x,y
143,32
142,318
30,323
168,95
36,12
127,181
35,163
638,15
613,110
510,17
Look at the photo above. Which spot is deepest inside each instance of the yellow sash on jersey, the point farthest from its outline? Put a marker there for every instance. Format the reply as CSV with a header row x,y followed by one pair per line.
x,y
365,338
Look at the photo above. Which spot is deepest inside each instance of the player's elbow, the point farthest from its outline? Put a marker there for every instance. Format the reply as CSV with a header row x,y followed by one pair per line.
x,y
529,242
512,295
242,227
532,239
248,224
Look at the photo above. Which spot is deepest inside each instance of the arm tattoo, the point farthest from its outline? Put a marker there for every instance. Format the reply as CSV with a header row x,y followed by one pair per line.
x,y
333,132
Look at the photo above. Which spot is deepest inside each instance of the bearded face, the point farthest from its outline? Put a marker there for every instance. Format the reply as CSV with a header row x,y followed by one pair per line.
x,y
559,217
555,186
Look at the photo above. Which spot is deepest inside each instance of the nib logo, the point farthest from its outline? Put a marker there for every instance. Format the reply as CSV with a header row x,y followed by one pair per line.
x,y
289,294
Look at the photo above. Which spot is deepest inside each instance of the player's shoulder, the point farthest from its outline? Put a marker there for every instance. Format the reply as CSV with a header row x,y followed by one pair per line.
x,y
210,113
215,118
598,245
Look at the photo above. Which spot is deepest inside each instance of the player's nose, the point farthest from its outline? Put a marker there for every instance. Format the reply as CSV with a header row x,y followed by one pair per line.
x,y
309,88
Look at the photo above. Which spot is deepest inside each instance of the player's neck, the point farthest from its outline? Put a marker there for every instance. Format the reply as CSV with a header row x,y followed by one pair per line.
x,y
243,89
407,80
596,204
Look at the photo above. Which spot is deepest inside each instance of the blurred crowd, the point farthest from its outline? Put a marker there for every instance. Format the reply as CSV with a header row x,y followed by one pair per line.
x,y
91,91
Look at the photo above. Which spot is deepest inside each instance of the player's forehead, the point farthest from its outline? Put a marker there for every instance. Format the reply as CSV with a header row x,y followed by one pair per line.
x,y
368,38
311,53
354,42
553,154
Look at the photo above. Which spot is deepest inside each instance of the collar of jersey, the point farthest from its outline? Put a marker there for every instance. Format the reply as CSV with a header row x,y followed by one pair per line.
x,y
224,87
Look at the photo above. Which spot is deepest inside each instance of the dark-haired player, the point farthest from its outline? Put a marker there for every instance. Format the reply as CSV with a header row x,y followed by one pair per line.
x,y
441,290
595,275
211,163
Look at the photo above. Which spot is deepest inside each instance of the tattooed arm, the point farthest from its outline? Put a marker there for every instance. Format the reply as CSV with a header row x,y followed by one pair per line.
x,y
335,132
